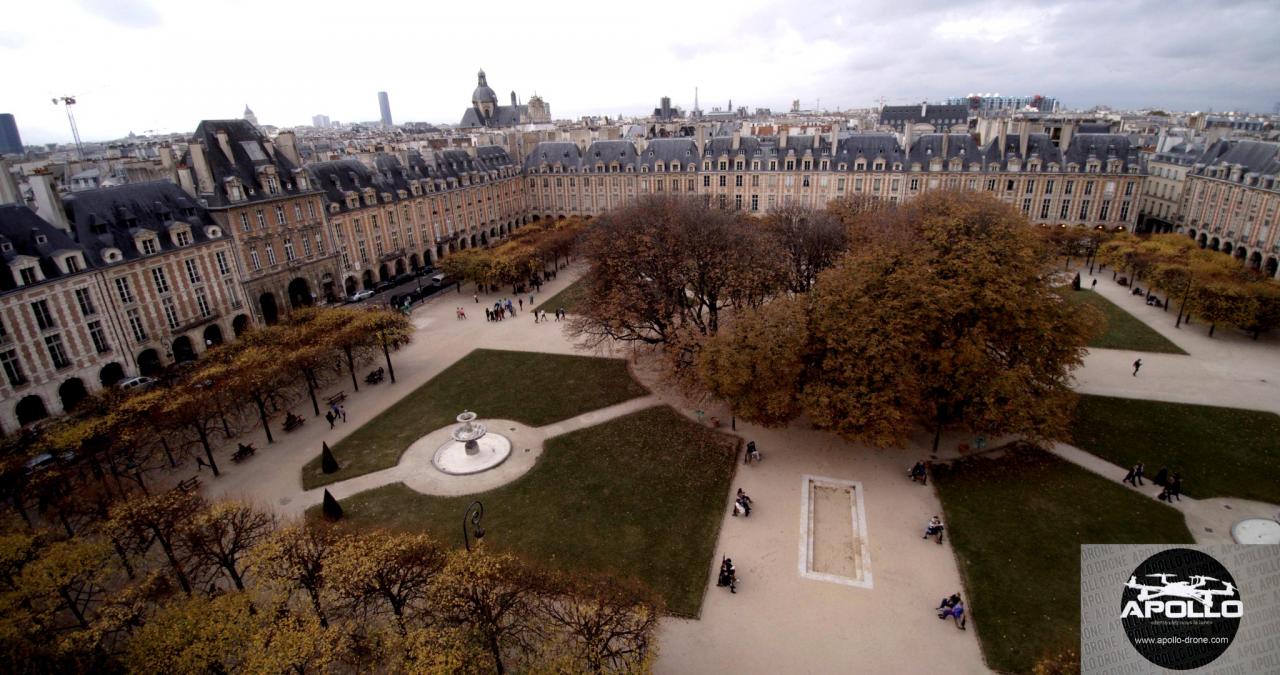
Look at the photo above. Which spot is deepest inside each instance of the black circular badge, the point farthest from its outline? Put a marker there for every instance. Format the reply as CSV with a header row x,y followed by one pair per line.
x,y
1181,609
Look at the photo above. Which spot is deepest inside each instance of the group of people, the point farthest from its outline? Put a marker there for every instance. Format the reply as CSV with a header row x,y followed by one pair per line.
x,y
742,504
953,607
501,310
919,473
934,528
1171,482
728,575
336,412
460,313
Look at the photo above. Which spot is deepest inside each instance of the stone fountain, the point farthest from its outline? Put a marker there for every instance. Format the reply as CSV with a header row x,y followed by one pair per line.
x,y
472,448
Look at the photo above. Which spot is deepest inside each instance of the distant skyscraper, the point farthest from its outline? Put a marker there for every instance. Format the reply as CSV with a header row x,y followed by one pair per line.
x,y
384,104
320,121
249,116
10,141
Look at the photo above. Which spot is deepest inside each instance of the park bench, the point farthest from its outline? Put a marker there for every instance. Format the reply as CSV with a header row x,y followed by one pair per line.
x,y
292,422
243,452
337,398
189,485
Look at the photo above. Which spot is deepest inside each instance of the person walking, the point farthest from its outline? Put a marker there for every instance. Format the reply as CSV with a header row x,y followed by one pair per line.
x,y
521,301
1136,365
328,416
1175,487
1162,477
1138,473
1093,285
477,297
1128,477
342,412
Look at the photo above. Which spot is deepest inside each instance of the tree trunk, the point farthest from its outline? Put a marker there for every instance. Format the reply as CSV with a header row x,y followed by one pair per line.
x,y
386,352
1211,327
311,389
164,443
351,366
937,432
71,605
315,605
21,509
262,415
124,557
208,449
236,577
173,562
497,654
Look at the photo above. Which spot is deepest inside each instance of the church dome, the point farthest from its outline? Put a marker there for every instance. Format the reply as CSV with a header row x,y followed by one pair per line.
x,y
483,94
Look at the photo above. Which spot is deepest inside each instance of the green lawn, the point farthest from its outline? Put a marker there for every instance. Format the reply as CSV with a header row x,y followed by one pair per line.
x,y
1124,331
641,495
1221,452
1017,524
528,387
569,298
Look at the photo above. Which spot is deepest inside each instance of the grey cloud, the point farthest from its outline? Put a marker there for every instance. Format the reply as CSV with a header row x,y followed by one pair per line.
x,y
127,13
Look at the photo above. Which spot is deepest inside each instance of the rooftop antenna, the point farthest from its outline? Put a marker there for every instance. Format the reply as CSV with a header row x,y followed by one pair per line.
x,y
695,99
69,101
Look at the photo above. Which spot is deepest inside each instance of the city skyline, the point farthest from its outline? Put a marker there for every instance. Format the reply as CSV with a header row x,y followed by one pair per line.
x,y
759,53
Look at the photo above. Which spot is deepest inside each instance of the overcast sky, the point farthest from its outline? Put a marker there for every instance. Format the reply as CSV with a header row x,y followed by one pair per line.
x,y
163,65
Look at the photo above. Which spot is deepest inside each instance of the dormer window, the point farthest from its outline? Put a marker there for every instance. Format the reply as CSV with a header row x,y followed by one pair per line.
x,y
6,247
72,263
41,239
28,275
183,238
273,186
150,246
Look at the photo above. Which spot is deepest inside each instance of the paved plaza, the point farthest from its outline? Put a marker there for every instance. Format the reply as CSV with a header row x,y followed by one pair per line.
x,y
782,619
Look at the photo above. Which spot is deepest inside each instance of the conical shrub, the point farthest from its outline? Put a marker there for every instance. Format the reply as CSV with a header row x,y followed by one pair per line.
x,y
328,463
332,509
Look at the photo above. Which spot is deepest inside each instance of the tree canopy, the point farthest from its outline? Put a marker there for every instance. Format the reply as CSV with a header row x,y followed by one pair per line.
x,y
939,314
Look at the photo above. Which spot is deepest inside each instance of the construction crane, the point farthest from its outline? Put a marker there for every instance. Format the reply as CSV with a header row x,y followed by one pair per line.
x,y
69,101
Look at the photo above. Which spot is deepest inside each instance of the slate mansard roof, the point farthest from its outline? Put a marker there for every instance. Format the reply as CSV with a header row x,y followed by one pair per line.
x,y
1252,157
23,233
390,175
848,151
111,217
102,220
250,152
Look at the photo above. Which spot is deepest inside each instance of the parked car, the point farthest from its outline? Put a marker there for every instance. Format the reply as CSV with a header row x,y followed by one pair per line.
x,y
402,279
136,383
438,279
360,295
383,285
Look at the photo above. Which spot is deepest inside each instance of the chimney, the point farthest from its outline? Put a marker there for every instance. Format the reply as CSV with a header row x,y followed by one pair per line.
x,y
907,130
1064,140
287,143
204,177
737,139
185,180
48,204
782,136
946,141
924,111
700,138
1024,132
9,193
225,143
166,158
1000,135
271,148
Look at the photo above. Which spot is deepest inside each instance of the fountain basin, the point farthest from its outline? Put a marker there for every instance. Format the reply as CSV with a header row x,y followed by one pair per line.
x,y
486,452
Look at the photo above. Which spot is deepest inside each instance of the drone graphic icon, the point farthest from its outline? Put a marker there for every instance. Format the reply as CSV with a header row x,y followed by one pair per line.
x,y
1192,590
